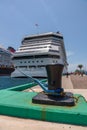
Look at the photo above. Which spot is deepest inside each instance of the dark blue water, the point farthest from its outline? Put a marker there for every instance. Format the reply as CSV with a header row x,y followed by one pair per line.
x,y
7,82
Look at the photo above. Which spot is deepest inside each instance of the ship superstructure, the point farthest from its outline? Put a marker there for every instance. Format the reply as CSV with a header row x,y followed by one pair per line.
x,y
37,51
6,66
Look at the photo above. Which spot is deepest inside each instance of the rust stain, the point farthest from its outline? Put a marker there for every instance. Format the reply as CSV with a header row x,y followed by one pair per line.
x,y
43,113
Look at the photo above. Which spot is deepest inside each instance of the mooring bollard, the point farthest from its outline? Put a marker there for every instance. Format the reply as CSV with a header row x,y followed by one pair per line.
x,y
54,94
54,73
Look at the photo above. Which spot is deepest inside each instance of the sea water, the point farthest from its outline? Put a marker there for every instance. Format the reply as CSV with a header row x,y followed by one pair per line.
x,y
7,81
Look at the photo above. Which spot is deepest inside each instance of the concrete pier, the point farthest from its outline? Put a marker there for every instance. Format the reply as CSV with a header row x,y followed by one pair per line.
x,y
13,123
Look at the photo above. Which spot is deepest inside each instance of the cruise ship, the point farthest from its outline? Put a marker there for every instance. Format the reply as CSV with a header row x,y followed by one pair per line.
x,y
37,51
6,66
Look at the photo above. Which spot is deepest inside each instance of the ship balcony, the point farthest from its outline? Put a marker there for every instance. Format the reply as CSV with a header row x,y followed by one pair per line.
x,y
37,51
21,53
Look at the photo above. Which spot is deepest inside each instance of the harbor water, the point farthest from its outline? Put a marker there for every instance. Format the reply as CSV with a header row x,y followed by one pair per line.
x,y
7,81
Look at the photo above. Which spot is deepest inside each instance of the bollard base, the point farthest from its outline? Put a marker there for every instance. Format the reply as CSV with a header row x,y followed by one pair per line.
x,y
66,100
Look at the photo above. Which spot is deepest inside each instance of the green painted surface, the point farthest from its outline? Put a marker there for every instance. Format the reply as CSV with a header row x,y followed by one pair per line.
x,y
19,104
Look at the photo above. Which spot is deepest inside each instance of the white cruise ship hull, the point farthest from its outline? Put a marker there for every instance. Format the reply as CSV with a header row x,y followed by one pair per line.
x,y
20,73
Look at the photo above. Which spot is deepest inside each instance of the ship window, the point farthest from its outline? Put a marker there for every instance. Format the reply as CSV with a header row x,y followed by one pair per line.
x,y
37,61
20,61
32,61
41,66
37,56
28,61
32,66
22,66
25,62
41,60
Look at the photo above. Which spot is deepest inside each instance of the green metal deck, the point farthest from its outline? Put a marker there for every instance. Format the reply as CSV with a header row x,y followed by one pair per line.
x,y
15,102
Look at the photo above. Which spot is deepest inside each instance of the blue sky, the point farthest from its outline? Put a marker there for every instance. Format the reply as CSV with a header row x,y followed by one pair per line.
x,y
18,19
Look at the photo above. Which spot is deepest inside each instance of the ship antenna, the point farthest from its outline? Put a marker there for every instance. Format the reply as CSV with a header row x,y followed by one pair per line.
x,y
37,28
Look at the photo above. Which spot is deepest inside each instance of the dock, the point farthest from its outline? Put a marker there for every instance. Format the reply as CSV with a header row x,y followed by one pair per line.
x,y
12,123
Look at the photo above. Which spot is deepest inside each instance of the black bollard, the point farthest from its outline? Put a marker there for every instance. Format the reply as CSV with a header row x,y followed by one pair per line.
x,y
54,73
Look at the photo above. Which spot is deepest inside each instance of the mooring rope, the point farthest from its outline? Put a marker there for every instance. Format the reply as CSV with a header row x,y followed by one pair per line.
x,y
62,94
